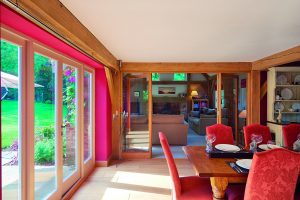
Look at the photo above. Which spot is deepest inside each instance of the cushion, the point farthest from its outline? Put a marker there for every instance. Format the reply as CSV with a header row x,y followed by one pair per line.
x,y
211,111
139,119
195,114
207,116
167,119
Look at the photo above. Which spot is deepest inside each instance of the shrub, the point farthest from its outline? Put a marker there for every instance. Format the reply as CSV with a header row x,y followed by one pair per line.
x,y
48,101
44,151
46,132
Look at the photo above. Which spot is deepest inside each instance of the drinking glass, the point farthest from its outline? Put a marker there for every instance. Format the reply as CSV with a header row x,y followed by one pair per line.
x,y
210,138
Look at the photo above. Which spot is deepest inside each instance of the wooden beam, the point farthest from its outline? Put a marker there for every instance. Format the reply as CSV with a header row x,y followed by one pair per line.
x,y
255,97
203,67
56,18
263,89
287,56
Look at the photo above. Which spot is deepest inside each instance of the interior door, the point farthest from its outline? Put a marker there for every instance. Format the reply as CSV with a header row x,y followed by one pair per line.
x,y
136,127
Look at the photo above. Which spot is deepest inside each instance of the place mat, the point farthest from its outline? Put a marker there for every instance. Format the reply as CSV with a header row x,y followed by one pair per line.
x,y
223,154
237,168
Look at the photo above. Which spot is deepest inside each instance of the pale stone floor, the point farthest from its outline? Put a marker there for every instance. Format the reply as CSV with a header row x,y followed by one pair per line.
x,y
132,180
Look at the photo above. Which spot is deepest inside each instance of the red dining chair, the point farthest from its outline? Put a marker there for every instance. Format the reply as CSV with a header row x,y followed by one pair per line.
x,y
222,132
273,175
290,133
258,130
185,188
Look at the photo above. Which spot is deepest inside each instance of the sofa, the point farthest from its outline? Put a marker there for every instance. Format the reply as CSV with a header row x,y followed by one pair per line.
x,y
173,126
199,120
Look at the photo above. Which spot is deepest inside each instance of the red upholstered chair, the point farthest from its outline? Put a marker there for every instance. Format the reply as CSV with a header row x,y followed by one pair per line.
x,y
185,188
258,130
290,133
273,175
222,132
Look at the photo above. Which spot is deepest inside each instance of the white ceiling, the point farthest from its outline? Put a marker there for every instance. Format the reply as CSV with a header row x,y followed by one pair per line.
x,y
191,30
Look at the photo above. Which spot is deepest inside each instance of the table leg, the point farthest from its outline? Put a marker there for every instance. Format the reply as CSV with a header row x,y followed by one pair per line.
x,y
219,185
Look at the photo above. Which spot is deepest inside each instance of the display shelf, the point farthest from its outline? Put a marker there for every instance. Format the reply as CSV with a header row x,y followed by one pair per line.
x,y
291,100
287,85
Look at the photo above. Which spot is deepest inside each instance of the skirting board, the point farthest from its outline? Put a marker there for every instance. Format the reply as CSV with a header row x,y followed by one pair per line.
x,y
104,163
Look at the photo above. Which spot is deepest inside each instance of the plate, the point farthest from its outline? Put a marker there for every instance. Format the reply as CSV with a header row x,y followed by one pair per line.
x,y
263,147
281,79
244,163
273,146
296,106
279,106
286,93
227,147
297,79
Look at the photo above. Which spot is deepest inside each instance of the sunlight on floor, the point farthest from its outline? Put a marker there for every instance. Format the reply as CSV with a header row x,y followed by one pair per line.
x,y
142,179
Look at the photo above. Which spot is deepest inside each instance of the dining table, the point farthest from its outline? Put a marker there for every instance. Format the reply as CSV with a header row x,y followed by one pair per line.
x,y
217,169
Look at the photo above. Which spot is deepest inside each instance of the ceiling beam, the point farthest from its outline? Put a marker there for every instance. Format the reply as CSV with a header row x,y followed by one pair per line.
x,y
284,57
201,67
55,16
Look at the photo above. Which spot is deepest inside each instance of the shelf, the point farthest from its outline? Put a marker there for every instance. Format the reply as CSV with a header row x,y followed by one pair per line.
x,y
288,112
287,85
291,100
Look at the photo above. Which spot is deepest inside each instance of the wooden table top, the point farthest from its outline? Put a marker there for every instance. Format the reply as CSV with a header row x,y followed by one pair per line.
x,y
209,167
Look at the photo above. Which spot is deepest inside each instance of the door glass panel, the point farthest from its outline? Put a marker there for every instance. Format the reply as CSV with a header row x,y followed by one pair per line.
x,y
87,89
69,120
44,126
10,117
135,116
234,103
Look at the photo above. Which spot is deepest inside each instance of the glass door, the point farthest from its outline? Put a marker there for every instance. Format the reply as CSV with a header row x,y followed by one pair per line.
x,y
45,126
70,135
135,126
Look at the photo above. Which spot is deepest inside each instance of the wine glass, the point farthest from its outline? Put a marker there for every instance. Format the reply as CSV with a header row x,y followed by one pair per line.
x,y
210,138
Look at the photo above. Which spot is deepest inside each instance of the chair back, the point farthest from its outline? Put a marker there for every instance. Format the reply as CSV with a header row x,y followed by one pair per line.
x,y
257,129
273,173
171,164
290,133
222,132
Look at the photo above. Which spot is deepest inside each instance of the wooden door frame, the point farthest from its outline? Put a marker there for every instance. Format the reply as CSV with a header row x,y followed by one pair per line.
x,y
137,155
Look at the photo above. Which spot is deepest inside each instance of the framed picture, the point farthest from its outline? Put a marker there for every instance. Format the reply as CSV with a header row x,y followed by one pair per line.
x,y
167,90
136,93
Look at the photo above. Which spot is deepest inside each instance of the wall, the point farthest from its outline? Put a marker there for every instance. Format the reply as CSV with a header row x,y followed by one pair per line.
x,y
103,122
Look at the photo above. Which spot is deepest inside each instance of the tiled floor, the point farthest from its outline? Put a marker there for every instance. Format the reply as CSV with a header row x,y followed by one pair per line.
x,y
192,140
132,180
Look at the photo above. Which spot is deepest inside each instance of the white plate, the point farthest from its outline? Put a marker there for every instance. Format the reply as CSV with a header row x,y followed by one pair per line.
x,y
297,79
227,147
279,106
244,163
263,147
268,146
296,106
273,146
281,79
287,93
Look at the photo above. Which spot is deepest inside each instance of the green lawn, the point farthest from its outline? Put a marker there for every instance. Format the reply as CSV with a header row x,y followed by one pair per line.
x,y
44,116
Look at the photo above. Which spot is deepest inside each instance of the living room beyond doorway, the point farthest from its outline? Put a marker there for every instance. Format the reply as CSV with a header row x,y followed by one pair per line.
x,y
185,104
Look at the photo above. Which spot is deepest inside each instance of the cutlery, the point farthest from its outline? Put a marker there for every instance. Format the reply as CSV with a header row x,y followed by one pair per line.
x,y
235,167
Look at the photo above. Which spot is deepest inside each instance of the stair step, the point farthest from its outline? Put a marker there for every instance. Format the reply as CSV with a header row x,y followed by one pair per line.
x,y
136,136
137,140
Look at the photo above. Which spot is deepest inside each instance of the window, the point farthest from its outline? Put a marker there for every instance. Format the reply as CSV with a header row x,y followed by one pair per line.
x,y
222,99
87,134
179,77
155,77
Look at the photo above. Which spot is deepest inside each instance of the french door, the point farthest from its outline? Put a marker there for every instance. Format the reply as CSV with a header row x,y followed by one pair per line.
x,y
56,127
47,119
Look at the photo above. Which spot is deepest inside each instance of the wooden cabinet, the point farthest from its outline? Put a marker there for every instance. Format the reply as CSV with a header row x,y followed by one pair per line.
x,y
284,93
